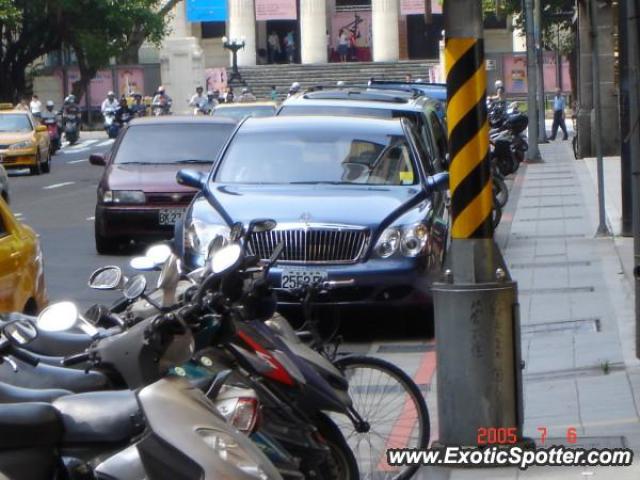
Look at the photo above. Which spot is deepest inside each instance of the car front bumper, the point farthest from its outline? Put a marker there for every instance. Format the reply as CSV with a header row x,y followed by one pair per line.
x,y
18,158
141,222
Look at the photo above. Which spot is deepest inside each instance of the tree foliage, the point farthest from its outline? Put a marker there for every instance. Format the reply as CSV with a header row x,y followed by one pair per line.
x,y
96,31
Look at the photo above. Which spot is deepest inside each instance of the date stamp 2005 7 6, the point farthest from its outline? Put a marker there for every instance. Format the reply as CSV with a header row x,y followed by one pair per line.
x,y
508,436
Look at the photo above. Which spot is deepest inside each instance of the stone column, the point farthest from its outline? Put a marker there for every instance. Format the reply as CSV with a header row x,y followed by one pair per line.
x,y
181,62
386,35
242,25
313,30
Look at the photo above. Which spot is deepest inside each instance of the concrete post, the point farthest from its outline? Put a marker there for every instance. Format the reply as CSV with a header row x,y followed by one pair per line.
x,y
385,15
181,61
242,26
313,31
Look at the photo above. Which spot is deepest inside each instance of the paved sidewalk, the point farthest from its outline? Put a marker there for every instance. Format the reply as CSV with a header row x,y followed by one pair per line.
x,y
576,316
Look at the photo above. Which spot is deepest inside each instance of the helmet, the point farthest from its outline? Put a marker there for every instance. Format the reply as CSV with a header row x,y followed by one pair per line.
x,y
199,89
498,84
70,99
340,83
210,93
50,103
295,86
160,89
110,93
245,90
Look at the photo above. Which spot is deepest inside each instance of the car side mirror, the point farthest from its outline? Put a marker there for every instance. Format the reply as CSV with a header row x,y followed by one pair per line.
x,y
191,178
41,128
97,160
437,183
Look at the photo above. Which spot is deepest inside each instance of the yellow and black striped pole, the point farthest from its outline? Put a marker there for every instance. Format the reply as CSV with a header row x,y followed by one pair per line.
x,y
477,331
470,167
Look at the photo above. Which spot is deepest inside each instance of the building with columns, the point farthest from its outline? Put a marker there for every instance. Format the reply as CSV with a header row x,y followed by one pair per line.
x,y
382,31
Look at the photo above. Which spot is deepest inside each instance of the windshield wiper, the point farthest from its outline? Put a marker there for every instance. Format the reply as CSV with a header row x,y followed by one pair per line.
x,y
320,182
193,161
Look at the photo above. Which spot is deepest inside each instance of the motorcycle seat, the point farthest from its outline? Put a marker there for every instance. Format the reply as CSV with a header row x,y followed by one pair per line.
x,y
28,425
53,343
13,394
100,417
49,376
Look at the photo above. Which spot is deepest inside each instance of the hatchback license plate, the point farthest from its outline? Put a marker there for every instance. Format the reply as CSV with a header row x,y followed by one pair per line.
x,y
169,216
296,278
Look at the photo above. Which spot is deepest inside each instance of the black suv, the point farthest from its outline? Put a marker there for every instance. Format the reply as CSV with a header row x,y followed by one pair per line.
x,y
380,102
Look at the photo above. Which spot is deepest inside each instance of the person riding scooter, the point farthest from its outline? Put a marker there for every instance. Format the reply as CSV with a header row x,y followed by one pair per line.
x,y
53,122
108,109
123,114
138,108
161,104
71,119
198,102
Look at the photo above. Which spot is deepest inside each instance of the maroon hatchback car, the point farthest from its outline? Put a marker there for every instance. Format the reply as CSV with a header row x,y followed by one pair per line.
x,y
138,196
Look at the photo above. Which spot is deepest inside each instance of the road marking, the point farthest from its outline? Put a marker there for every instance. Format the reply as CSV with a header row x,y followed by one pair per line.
x,y
73,162
91,219
57,185
84,144
105,143
18,215
74,150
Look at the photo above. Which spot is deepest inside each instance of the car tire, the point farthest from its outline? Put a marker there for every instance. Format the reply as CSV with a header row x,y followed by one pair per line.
x,y
37,168
105,245
46,166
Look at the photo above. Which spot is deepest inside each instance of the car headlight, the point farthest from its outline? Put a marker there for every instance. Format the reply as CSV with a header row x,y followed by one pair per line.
x,y
123,196
388,242
22,145
230,451
199,235
409,240
414,239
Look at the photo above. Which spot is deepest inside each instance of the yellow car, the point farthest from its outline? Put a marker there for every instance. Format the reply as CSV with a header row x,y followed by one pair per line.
x,y
23,142
22,285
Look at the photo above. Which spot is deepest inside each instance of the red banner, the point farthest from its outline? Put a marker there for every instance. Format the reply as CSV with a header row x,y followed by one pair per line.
x,y
276,10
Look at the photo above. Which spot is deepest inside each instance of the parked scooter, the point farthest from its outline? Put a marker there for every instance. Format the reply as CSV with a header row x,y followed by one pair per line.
x,y
166,429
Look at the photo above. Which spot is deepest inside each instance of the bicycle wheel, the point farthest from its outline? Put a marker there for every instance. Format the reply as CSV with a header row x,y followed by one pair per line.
x,y
391,403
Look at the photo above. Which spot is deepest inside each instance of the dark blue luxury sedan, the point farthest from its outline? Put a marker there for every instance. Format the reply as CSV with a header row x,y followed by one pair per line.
x,y
354,199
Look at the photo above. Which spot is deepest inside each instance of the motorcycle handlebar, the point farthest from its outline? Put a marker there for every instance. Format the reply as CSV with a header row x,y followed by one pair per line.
x,y
25,356
75,359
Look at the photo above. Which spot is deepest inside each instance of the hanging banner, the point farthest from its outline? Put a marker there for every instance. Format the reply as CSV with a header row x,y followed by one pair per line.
x,y
206,10
276,10
216,79
417,7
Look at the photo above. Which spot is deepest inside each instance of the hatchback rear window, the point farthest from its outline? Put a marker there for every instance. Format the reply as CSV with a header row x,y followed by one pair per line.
x,y
172,143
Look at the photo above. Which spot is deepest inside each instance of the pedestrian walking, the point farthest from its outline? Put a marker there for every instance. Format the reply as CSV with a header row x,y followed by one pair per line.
x,y
274,93
275,49
559,104
343,45
352,45
290,47
36,107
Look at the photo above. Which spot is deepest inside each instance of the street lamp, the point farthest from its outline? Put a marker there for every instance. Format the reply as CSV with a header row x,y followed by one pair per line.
x,y
234,45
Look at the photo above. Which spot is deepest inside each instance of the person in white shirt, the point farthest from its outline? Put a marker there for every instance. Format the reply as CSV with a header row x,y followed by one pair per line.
x,y
199,100
110,104
36,107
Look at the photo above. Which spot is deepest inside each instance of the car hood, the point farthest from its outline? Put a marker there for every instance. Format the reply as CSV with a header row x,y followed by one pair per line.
x,y
148,178
349,205
7,138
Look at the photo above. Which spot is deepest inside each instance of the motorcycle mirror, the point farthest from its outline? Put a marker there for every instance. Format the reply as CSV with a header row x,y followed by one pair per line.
x,y
63,316
142,263
97,160
261,225
437,183
20,332
135,287
236,231
170,273
158,253
226,258
106,278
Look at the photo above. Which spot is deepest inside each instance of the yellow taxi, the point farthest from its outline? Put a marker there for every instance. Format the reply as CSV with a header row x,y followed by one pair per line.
x,y
22,285
23,142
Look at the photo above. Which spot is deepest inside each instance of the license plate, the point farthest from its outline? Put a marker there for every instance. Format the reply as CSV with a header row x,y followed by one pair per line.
x,y
299,277
169,216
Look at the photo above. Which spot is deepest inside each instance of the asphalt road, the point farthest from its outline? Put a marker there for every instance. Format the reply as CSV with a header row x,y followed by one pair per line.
x,y
59,206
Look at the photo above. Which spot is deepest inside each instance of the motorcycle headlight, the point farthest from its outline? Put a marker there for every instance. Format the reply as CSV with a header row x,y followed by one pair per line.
x,y
414,239
199,235
388,242
123,196
22,145
230,451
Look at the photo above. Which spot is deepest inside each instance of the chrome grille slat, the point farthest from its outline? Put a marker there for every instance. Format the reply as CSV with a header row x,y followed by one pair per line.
x,y
312,244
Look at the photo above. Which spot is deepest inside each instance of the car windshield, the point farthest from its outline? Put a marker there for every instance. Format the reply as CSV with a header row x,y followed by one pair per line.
x,y
240,112
317,157
172,143
15,122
